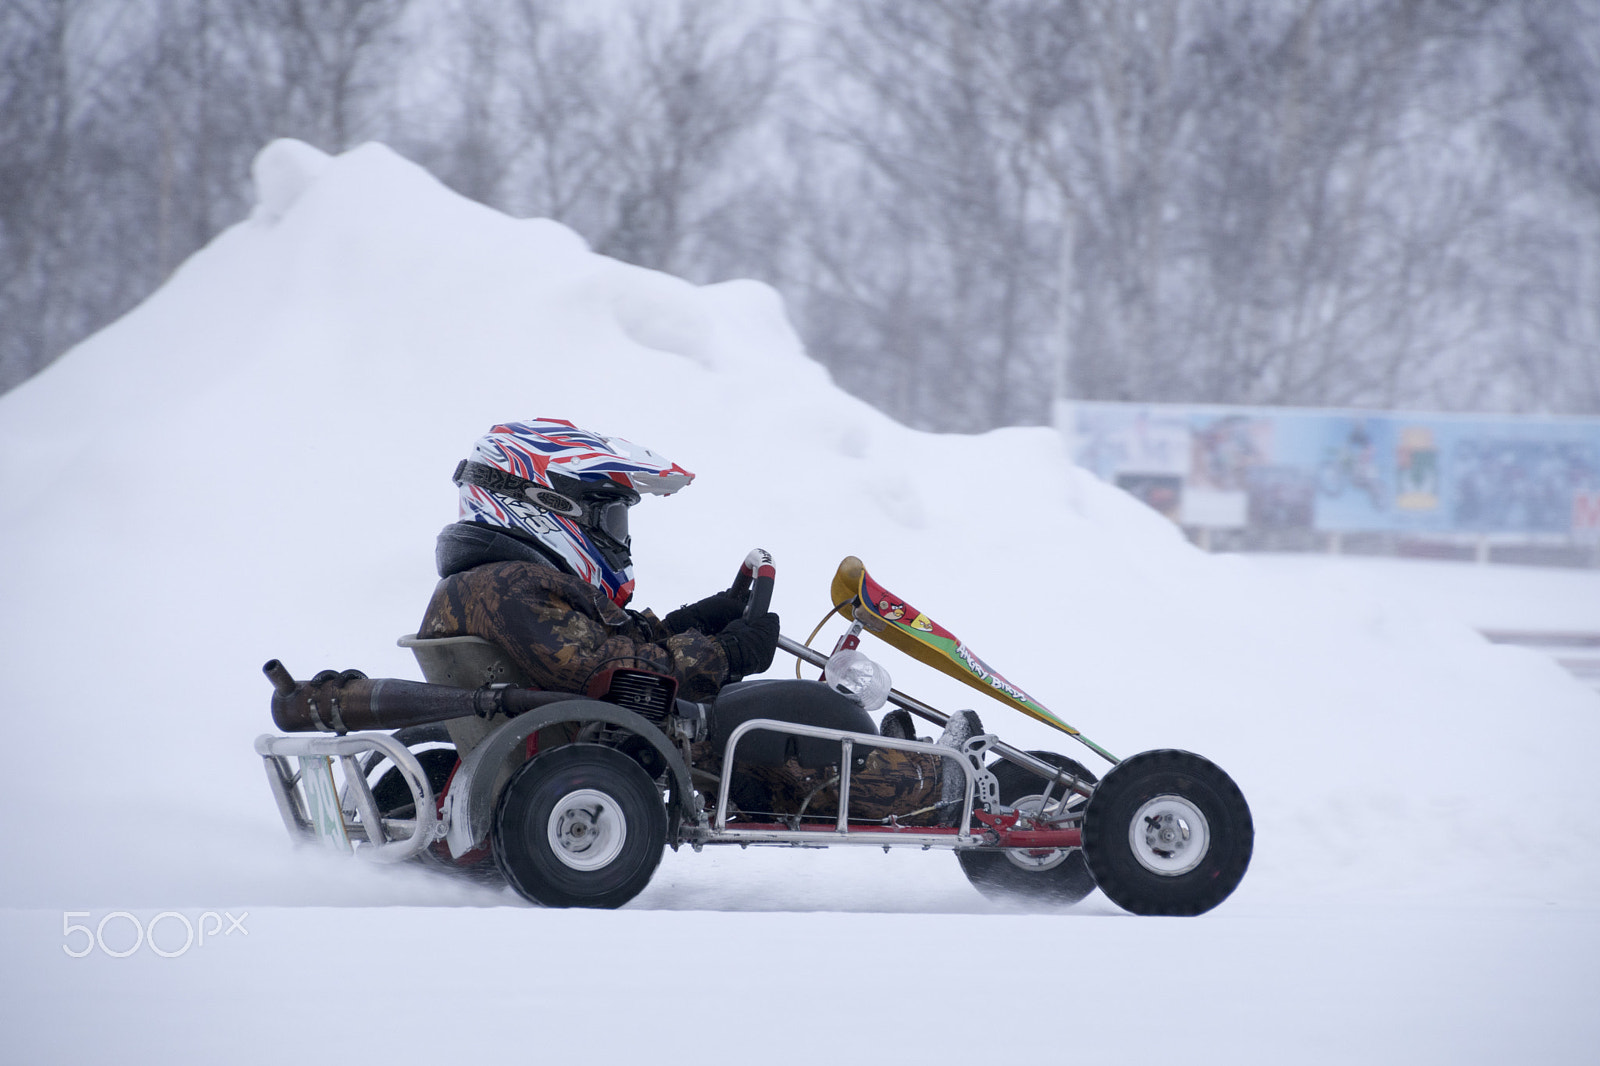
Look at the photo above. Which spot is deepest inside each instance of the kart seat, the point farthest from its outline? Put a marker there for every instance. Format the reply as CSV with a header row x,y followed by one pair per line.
x,y
464,662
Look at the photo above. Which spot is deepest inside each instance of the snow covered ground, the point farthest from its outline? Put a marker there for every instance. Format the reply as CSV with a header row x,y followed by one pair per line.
x,y
1539,599
253,464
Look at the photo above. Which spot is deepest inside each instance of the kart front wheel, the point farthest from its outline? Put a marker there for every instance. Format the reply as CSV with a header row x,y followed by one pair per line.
x,y
580,826
1052,877
1167,832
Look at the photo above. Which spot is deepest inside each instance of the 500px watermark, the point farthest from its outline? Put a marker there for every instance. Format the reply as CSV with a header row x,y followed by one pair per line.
x,y
178,934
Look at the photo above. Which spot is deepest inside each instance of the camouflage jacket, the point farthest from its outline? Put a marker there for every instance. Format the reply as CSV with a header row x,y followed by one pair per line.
x,y
562,632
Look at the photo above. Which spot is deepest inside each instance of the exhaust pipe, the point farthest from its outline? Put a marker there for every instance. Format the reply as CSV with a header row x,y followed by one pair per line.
x,y
282,682
334,702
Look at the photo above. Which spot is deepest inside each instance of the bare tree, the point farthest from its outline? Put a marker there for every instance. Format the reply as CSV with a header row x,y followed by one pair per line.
x,y
34,141
318,64
1232,201
694,82
927,294
1551,130
970,204
623,128
65,192
126,131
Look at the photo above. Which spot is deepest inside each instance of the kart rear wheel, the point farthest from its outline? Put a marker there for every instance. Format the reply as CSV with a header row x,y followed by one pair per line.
x,y
394,801
1167,832
393,795
1057,877
390,790
580,826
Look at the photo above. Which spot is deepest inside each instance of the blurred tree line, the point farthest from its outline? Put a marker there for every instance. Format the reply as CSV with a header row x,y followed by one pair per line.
x,y
972,206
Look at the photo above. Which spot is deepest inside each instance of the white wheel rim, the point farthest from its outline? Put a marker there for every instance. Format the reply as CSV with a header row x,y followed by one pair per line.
x,y
1034,859
1169,836
586,829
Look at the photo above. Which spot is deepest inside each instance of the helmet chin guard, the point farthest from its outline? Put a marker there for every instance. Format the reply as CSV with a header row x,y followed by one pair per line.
x,y
569,490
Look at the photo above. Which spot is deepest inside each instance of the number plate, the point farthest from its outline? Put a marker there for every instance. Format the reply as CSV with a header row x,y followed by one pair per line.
x,y
322,802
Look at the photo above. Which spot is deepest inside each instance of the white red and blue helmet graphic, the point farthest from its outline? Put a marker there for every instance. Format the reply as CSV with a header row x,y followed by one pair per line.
x,y
534,450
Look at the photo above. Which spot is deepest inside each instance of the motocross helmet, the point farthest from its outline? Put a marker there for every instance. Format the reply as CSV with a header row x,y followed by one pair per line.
x,y
568,491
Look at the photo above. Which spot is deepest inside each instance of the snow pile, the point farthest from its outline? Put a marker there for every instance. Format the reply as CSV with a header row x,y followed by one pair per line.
x,y
281,173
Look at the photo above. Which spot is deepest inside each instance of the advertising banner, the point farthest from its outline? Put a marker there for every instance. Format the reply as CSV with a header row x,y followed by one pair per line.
x,y
1347,471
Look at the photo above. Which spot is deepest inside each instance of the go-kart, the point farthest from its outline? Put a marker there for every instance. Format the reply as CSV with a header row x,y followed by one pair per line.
x,y
572,797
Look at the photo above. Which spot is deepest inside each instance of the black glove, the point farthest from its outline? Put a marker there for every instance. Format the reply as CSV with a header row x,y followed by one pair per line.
x,y
750,645
708,615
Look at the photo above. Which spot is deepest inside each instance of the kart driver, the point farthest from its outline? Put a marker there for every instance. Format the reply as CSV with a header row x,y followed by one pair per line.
x,y
538,564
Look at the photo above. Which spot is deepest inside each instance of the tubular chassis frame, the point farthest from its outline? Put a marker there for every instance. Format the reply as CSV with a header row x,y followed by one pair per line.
x,y
396,839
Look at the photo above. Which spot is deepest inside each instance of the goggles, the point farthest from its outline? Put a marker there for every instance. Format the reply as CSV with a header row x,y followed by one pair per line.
x,y
602,508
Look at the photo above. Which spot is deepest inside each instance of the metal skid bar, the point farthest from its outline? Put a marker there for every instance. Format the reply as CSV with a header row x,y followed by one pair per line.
x,y
387,840
841,834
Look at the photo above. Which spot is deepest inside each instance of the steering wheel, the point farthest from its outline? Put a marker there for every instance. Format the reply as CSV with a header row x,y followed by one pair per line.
x,y
757,567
